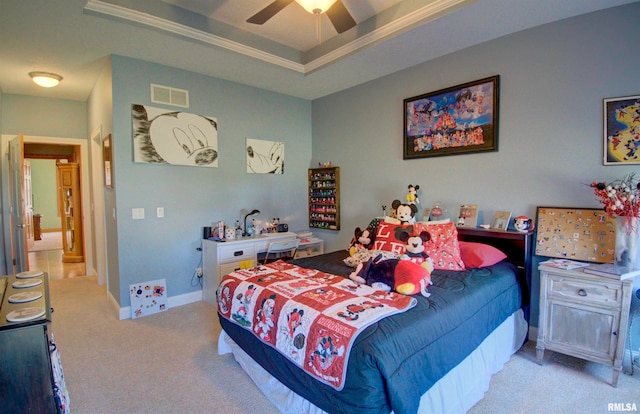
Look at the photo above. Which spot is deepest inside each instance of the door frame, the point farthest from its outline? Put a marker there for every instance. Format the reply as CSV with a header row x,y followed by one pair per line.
x,y
87,217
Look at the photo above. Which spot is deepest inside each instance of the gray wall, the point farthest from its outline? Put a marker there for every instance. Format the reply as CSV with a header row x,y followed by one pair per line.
x,y
553,81
194,197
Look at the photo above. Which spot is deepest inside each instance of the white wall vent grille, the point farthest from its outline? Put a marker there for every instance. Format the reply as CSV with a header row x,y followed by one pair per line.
x,y
169,96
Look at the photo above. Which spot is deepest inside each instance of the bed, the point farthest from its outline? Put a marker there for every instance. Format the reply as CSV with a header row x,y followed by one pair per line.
x,y
437,356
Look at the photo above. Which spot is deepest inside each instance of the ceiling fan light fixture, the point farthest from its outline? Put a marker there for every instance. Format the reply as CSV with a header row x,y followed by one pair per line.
x,y
45,79
316,6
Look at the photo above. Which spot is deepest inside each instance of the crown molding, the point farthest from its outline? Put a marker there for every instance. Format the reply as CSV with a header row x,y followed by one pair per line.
x,y
402,24
421,15
108,9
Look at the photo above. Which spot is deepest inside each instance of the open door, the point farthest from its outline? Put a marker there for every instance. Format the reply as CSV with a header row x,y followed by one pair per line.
x,y
18,223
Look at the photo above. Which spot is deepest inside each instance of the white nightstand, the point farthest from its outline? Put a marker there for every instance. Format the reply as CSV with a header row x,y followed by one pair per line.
x,y
584,315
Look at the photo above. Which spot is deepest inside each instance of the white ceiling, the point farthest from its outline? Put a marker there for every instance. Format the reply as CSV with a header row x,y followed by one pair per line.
x,y
75,37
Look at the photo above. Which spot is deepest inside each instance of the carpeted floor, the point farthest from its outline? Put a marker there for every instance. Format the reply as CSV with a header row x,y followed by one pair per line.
x,y
168,363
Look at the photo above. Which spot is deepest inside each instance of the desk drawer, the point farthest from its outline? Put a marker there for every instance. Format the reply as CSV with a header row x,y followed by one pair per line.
x,y
236,252
582,291
230,267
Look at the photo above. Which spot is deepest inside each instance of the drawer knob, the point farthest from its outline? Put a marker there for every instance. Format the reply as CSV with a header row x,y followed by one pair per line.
x,y
582,292
238,253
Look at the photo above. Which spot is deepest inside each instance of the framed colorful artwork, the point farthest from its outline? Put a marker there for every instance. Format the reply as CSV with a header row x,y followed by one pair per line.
x,y
461,119
622,130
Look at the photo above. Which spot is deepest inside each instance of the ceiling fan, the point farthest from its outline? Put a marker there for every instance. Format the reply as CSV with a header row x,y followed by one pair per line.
x,y
335,10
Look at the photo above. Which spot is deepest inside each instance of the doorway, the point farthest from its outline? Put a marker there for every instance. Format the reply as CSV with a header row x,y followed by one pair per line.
x,y
45,248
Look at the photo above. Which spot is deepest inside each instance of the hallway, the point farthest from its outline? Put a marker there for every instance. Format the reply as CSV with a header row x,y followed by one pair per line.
x,y
46,255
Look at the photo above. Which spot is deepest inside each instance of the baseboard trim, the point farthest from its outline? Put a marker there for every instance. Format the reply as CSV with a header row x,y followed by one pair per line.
x,y
172,302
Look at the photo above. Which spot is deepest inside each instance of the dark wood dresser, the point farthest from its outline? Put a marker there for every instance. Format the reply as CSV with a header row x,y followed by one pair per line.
x,y
26,376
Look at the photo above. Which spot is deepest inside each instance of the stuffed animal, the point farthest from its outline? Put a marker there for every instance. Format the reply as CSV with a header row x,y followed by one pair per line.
x,y
362,240
405,213
414,249
402,276
412,196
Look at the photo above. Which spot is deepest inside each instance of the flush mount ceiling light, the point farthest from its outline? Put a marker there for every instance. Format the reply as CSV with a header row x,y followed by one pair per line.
x,y
45,79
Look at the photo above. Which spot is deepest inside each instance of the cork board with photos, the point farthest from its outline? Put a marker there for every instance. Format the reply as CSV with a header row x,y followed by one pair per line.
x,y
583,234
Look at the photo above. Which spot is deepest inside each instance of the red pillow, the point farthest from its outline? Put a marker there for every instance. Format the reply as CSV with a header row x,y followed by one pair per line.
x,y
479,254
442,248
386,237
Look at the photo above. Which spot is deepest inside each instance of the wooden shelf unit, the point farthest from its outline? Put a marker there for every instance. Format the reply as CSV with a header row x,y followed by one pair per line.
x,y
324,198
70,212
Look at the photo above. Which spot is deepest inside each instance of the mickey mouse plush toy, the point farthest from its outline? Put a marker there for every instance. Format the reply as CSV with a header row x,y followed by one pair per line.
x,y
412,195
362,240
414,248
405,213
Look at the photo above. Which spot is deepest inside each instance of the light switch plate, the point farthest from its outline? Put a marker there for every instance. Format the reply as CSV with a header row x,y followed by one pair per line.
x,y
137,213
160,212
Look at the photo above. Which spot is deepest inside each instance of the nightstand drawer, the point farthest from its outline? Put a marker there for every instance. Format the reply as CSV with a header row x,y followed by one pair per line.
x,y
236,252
585,292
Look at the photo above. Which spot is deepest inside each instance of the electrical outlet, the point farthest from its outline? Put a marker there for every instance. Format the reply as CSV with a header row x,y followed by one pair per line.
x,y
199,271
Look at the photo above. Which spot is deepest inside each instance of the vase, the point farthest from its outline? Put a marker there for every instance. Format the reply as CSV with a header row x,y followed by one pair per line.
x,y
627,242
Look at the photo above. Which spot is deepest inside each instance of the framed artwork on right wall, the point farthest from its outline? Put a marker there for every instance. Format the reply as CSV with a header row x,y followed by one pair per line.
x,y
622,130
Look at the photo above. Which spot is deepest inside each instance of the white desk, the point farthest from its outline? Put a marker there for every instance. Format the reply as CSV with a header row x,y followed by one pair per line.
x,y
221,258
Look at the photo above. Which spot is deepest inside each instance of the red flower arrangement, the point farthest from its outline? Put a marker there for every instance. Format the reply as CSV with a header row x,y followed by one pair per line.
x,y
620,198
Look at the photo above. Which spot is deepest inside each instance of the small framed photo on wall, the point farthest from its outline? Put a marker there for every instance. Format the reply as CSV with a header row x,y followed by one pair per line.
x,y
107,160
622,130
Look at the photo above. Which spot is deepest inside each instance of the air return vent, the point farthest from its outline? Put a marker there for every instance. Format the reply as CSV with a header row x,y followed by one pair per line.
x,y
169,96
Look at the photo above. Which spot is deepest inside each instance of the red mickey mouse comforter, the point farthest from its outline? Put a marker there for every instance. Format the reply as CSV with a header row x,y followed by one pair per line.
x,y
309,316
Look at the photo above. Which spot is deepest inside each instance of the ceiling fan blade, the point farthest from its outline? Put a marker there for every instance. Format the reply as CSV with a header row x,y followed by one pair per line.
x,y
268,12
340,17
